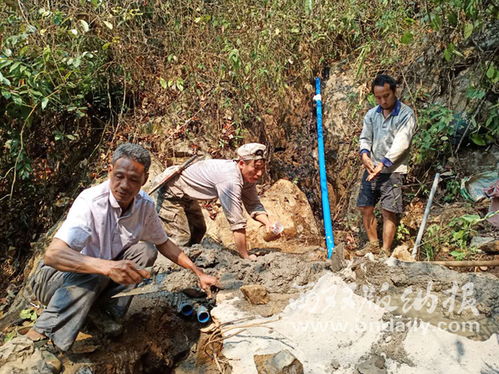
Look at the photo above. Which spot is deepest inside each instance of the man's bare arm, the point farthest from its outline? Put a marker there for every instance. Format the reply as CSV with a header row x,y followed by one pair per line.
x,y
62,257
264,219
172,252
241,244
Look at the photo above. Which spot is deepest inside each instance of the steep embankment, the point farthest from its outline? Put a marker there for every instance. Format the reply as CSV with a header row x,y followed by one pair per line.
x,y
77,78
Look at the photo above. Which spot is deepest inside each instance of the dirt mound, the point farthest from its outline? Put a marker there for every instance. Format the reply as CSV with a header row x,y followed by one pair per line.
x,y
432,293
285,203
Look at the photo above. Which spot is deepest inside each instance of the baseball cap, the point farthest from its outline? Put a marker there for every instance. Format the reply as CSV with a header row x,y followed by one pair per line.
x,y
252,151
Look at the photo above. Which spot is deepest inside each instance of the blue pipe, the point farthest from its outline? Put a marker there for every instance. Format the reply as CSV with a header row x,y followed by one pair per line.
x,y
185,308
328,227
202,314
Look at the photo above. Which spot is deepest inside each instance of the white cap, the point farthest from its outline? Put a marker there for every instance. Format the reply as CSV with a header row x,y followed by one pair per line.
x,y
252,151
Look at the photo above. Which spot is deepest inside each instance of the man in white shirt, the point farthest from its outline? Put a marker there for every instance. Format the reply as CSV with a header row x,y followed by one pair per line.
x,y
233,182
110,234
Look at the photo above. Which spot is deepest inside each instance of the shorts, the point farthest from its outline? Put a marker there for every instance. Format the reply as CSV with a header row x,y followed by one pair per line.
x,y
387,188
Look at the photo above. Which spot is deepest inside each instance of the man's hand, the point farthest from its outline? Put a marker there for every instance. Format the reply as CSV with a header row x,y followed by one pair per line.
x,y
126,272
374,174
268,226
171,251
367,162
206,281
249,257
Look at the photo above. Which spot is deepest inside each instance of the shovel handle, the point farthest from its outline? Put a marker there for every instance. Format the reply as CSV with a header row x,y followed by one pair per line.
x,y
180,169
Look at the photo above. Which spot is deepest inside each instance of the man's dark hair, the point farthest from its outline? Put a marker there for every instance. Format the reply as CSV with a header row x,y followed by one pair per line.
x,y
133,152
381,79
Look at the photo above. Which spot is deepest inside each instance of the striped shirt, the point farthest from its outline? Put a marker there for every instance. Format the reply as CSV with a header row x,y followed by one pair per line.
x,y
388,140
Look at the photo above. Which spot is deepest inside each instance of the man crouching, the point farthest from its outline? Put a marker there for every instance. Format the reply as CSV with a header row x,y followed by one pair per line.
x,y
111,233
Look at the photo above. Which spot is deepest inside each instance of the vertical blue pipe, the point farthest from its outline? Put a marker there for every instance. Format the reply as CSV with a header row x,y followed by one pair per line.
x,y
328,227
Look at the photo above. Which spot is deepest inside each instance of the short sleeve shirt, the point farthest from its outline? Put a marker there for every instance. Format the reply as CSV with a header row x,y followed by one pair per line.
x,y
94,225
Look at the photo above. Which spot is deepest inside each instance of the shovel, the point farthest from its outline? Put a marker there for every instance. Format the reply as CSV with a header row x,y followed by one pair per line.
x,y
174,172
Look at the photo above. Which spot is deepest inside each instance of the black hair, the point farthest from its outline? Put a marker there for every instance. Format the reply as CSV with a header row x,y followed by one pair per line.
x,y
133,152
381,79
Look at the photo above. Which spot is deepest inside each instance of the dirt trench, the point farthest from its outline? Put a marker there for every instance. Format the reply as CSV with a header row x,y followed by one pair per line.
x,y
156,339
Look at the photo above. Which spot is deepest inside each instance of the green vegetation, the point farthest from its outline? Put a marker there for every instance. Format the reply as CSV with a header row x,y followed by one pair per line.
x,y
455,236
433,141
402,233
28,314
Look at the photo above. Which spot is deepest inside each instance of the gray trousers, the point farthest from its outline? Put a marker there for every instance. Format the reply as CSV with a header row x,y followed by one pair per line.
x,y
70,296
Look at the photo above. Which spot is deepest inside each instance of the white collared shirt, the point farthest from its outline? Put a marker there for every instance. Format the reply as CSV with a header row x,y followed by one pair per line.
x,y
94,225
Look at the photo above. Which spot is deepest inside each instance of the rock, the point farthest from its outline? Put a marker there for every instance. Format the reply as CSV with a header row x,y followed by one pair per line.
x,y
20,356
475,161
337,260
379,362
255,294
334,365
372,365
370,257
402,253
485,243
285,203
51,361
282,362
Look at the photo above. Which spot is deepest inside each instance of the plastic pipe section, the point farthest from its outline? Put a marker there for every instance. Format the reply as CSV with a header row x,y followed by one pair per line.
x,y
185,308
182,304
425,215
202,314
328,226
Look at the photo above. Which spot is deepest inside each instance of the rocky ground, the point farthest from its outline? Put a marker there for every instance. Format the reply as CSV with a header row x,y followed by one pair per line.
x,y
363,316
290,311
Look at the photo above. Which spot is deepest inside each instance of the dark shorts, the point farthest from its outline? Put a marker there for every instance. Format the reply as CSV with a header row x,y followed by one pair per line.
x,y
387,188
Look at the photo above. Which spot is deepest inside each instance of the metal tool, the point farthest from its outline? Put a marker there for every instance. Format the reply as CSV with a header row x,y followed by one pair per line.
x,y
174,172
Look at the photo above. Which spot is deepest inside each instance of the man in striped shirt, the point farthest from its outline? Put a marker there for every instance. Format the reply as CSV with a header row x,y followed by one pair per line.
x,y
384,148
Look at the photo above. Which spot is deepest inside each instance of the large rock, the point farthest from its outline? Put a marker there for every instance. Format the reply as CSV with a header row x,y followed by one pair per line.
x,y
485,243
282,362
255,294
285,203
402,253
